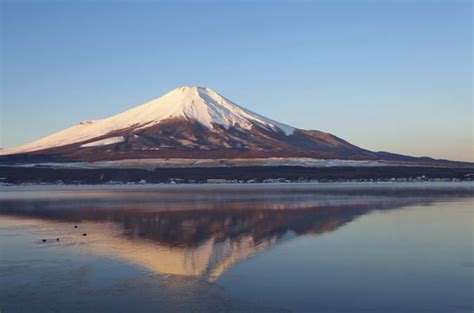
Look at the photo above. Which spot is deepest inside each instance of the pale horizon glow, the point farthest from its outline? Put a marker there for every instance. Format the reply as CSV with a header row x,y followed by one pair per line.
x,y
391,76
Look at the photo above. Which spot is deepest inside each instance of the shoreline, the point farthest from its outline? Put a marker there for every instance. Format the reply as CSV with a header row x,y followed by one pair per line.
x,y
428,184
252,174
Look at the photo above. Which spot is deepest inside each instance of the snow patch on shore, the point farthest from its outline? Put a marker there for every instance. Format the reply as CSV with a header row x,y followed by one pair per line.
x,y
151,164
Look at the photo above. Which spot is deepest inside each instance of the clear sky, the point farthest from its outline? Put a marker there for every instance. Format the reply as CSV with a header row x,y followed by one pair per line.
x,y
385,75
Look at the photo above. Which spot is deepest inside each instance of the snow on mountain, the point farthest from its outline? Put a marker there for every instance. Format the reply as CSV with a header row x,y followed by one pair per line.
x,y
200,104
104,142
196,123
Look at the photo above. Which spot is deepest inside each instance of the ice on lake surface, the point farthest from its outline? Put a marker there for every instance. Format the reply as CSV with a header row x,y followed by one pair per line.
x,y
394,247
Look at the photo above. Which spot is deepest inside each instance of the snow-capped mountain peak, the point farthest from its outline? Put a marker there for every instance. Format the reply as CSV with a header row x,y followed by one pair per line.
x,y
199,104
191,123
203,105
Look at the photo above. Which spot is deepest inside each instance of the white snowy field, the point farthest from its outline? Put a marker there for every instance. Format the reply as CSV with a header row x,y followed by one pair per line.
x,y
151,164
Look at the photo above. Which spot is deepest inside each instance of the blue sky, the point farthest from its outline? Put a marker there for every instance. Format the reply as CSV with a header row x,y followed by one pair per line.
x,y
385,75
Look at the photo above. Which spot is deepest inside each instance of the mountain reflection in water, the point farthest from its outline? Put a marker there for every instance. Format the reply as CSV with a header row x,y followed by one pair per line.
x,y
195,232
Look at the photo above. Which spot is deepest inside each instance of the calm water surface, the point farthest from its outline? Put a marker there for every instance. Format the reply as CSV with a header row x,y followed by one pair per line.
x,y
249,248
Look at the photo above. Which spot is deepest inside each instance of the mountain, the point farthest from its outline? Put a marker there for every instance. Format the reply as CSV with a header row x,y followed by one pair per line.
x,y
191,123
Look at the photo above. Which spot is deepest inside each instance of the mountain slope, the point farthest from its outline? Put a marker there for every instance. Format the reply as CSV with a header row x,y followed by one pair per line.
x,y
189,122
202,105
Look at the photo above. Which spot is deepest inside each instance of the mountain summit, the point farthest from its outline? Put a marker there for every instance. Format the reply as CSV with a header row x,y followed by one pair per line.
x,y
196,104
191,123
205,106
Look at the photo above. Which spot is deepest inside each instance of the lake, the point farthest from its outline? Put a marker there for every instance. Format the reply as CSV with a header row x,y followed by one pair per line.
x,y
338,247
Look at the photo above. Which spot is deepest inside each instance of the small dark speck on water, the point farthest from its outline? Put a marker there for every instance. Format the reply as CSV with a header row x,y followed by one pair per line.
x,y
75,226
84,234
57,239
44,240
